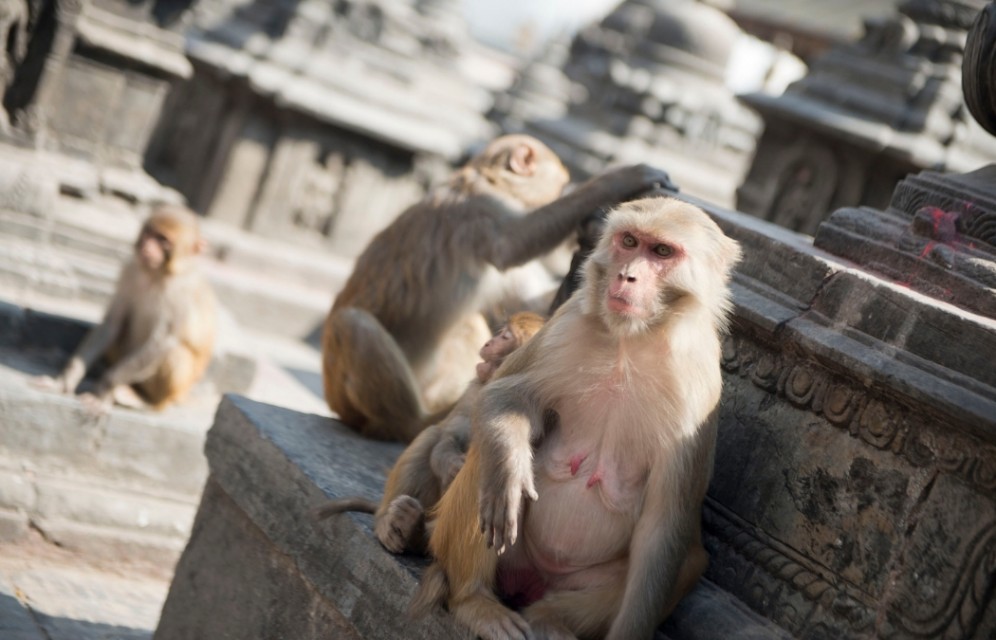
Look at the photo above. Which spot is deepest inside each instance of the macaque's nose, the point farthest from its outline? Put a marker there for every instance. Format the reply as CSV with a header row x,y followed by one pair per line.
x,y
627,278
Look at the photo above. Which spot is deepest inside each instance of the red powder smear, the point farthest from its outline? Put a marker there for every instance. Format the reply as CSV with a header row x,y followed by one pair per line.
x,y
944,224
927,249
594,479
576,463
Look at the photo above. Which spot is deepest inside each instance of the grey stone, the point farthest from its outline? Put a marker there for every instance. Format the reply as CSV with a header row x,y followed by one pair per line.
x,y
256,562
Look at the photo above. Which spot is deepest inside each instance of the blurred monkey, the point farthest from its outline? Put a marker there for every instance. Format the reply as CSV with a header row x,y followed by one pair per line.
x,y
607,539
158,332
427,467
401,338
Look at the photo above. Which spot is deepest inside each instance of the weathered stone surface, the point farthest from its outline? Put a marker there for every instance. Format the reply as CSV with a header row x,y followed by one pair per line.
x,y
936,237
853,494
255,558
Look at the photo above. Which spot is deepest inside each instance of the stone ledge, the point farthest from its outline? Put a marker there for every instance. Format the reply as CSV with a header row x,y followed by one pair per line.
x,y
255,560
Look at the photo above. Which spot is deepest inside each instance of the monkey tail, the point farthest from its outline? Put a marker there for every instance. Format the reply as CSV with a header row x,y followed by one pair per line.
x,y
333,507
432,592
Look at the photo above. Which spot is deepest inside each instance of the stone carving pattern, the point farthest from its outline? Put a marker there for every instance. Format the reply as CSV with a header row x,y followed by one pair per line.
x,y
886,426
754,548
314,208
806,183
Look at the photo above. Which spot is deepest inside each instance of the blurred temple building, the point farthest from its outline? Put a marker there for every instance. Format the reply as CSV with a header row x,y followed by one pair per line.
x,y
868,113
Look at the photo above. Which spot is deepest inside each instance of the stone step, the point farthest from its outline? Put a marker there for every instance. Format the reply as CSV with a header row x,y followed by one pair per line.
x,y
256,559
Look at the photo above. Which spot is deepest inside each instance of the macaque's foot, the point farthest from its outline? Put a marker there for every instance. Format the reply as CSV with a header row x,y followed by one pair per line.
x,y
492,620
402,522
47,383
96,406
547,630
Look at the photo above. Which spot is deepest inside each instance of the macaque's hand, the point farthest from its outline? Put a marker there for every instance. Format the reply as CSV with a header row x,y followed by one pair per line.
x,y
501,500
634,180
65,382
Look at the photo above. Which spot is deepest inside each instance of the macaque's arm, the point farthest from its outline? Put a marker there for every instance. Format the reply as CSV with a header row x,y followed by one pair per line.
x,y
507,421
94,345
524,238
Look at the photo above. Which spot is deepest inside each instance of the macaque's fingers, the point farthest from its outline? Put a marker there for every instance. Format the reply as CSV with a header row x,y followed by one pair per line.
x,y
96,406
658,178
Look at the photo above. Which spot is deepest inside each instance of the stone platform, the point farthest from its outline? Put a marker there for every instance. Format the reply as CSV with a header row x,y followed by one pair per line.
x,y
258,567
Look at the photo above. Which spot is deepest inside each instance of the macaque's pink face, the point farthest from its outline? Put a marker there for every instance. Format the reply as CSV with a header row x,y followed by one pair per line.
x,y
153,249
640,263
502,344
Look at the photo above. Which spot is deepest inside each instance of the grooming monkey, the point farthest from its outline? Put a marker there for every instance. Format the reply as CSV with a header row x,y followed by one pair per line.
x,y
402,336
158,332
428,465
608,538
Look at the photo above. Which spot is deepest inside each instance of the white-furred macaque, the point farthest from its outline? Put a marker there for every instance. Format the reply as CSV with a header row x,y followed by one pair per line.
x,y
580,499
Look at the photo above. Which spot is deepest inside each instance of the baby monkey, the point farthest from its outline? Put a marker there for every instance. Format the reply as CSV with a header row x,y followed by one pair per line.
x,y
428,465
158,332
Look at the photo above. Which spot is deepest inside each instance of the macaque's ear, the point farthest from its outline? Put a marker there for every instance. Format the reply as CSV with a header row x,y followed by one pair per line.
x,y
522,160
200,246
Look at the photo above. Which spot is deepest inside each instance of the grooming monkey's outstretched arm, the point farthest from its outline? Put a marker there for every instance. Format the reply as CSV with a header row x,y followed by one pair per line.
x,y
523,238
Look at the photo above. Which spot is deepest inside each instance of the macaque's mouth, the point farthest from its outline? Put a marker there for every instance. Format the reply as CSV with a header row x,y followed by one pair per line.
x,y
622,305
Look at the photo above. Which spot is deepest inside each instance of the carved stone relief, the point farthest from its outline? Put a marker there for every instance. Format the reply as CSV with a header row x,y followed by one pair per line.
x,y
839,512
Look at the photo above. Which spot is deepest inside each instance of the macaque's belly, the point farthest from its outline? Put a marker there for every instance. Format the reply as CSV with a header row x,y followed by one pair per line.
x,y
571,528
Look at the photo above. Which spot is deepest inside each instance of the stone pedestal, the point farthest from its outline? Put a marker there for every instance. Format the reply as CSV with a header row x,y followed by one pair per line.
x,y
258,566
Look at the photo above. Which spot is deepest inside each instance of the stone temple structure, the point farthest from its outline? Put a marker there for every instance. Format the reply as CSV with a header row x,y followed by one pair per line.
x,y
318,121
854,488
646,84
867,114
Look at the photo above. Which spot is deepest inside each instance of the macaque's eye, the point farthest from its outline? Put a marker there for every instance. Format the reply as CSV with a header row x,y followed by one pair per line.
x,y
629,241
663,250
163,241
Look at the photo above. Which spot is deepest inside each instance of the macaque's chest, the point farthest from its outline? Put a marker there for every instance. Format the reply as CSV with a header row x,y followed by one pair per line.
x,y
145,313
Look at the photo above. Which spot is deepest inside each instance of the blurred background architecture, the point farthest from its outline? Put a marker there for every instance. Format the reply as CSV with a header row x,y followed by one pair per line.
x,y
854,494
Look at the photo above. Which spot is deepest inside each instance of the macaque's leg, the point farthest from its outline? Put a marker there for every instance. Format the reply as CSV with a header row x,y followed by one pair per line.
x,y
411,487
567,615
172,380
445,379
125,396
367,378
588,612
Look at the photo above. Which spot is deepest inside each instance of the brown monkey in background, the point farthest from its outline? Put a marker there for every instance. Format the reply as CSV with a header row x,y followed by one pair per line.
x,y
609,539
158,332
428,465
401,338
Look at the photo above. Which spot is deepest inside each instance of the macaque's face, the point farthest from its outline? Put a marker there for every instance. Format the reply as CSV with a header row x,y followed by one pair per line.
x,y
639,265
499,346
153,249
